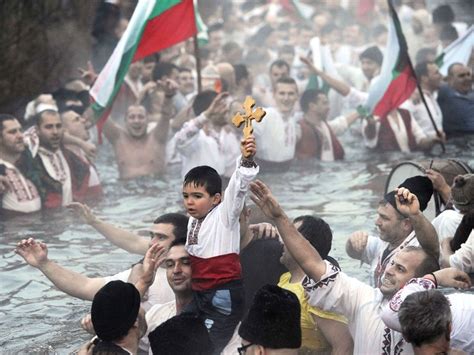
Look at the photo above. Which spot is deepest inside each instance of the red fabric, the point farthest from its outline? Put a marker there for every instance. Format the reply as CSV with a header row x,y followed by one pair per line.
x,y
172,26
53,200
309,145
399,90
208,273
364,9
387,141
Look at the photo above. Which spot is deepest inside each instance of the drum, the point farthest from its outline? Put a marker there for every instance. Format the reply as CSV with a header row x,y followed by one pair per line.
x,y
449,168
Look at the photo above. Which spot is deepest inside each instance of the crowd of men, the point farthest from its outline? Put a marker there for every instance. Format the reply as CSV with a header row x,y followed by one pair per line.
x,y
159,120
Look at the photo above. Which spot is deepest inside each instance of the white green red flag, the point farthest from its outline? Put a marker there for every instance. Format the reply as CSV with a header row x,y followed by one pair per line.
x,y
397,80
155,25
457,52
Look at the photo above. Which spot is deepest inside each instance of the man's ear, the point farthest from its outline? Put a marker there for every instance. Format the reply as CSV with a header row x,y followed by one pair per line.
x,y
216,199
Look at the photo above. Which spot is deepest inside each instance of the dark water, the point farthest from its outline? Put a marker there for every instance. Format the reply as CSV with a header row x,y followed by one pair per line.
x,y
37,318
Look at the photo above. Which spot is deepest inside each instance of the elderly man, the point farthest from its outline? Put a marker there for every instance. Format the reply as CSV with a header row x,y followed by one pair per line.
x,y
456,100
331,290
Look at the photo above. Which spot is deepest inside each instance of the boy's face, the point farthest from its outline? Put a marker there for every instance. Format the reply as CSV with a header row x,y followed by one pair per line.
x,y
197,200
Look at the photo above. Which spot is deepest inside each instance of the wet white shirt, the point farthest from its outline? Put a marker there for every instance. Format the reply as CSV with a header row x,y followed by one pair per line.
x,y
446,223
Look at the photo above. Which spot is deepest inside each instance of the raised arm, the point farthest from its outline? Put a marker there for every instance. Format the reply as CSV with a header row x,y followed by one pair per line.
x,y
120,237
36,254
424,230
338,85
302,251
111,131
167,110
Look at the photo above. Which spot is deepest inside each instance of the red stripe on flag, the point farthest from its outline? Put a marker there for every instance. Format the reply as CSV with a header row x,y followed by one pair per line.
x,y
172,26
399,90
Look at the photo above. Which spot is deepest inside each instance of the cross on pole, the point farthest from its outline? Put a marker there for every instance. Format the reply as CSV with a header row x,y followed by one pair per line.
x,y
248,116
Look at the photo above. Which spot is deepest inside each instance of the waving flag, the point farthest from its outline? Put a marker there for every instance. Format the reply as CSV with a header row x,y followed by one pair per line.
x,y
397,80
457,52
155,25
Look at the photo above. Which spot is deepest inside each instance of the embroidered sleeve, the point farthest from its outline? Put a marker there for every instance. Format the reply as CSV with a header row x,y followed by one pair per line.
x,y
189,132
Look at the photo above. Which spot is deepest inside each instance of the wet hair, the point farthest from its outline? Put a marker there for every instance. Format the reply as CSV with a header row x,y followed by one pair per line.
x,y
425,317
280,63
310,95
443,14
317,232
204,176
163,69
423,54
5,117
184,70
451,67
203,100
429,263
241,72
179,222
421,69
228,46
448,33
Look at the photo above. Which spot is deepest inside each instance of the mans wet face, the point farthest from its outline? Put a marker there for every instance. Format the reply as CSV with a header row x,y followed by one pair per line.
x,y
50,130
285,96
460,78
162,234
11,137
391,225
136,121
75,125
369,67
178,269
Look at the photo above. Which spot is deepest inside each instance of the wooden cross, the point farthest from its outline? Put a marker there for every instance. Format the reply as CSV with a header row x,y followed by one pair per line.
x,y
248,116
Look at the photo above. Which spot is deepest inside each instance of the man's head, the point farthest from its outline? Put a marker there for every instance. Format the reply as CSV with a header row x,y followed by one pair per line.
x,y
167,228
447,35
184,334
287,53
392,226
135,70
165,70
460,78
50,129
148,67
75,124
428,75
406,264
202,189
316,231
316,103
11,135
243,78
178,267
115,311
462,193
278,69
136,121
371,61
185,81
425,318
227,74
232,52
285,94
273,321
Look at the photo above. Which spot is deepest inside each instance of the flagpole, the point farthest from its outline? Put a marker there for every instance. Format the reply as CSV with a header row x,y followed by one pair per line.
x,y
198,63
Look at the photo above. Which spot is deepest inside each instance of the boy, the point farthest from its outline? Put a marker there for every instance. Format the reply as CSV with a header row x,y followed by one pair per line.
x,y
213,243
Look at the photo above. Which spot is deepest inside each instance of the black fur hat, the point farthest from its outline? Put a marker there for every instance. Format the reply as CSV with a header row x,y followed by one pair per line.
x,y
419,185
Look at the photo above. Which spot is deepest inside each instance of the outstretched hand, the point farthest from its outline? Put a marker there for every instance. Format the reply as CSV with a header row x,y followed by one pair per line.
x,y
310,65
35,253
88,75
264,199
84,211
154,257
407,202
452,277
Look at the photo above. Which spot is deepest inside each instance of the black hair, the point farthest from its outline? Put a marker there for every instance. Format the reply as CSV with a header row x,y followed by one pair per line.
x,y
310,95
443,14
163,69
241,72
421,69
203,100
451,67
280,63
5,117
317,232
178,241
448,33
429,263
179,222
184,69
423,54
286,80
204,176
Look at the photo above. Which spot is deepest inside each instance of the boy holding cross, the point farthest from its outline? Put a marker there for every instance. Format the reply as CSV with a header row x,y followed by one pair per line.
x,y
213,241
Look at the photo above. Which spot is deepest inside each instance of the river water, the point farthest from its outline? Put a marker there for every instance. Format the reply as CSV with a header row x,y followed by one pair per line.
x,y
37,318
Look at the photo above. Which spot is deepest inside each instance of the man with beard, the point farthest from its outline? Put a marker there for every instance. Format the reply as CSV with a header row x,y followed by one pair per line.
x,y
330,289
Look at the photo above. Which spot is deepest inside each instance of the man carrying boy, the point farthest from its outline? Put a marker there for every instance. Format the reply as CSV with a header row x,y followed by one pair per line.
x,y
213,243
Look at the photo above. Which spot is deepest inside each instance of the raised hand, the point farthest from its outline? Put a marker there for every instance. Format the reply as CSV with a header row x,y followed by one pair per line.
x,y
88,75
154,257
248,147
84,211
217,110
452,277
264,199
35,253
358,241
86,324
407,202
263,231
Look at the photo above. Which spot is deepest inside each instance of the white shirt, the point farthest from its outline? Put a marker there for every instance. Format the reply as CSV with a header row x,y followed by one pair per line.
x,y
276,136
23,197
462,310
219,232
421,116
338,126
58,169
157,315
463,258
362,305
446,223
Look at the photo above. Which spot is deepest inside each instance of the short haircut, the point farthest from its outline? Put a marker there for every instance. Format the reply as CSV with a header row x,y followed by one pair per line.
x,y
163,69
443,14
310,95
179,222
204,176
421,69
178,241
203,100
424,53
424,317
451,67
317,232
5,117
228,46
429,263
241,72
38,118
184,70
280,63
286,80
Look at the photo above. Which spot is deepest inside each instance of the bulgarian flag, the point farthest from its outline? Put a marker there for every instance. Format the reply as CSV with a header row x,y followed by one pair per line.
x,y
397,80
155,25
457,52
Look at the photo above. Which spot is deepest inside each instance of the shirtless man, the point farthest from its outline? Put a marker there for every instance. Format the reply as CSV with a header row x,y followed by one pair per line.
x,y
137,151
